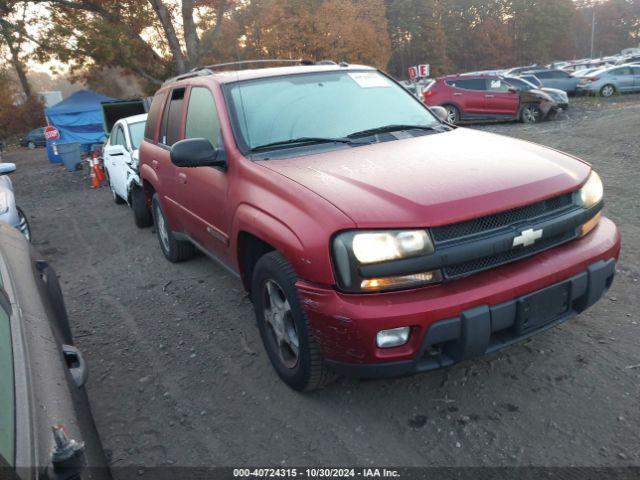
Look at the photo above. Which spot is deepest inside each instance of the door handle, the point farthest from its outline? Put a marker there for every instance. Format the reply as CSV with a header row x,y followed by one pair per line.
x,y
154,164
182,177
457,94
489,96
76,364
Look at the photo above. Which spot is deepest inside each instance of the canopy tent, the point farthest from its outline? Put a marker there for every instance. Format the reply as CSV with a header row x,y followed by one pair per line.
x,y
79,117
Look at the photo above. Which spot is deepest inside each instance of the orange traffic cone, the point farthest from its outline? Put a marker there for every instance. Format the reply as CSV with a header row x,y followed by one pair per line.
x,y
95,183
99,171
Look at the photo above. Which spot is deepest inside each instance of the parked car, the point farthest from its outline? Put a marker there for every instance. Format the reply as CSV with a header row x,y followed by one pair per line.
x,y
530,82
584,72
606,82
35,138
628,59
374,239
120,159
559,79
487,97
9,212
46,426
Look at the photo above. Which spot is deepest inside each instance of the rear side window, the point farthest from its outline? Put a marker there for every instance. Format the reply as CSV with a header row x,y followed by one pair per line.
x,y
170,128
468,83
544,74
7,402
202,117
152,117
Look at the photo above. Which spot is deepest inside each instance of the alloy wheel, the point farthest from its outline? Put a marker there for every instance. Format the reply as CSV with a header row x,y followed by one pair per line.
x,y
607,91
282,327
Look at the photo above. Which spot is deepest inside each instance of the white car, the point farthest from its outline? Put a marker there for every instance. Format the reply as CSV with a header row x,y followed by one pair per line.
x,y
9,212
120,159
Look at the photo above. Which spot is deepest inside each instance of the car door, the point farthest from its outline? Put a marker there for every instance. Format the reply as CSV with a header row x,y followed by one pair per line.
x,y
204,189
114,157
499,99
565,81
468,94
636,78
622,78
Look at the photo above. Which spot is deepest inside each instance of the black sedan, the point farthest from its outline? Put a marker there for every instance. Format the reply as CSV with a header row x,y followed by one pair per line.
x,y
46,426
35,138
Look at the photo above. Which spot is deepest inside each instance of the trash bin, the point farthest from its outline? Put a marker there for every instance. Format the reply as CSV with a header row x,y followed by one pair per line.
x,y
70,155
52,152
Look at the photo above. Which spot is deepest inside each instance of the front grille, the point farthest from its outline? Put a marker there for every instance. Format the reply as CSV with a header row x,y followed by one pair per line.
x,y
482,225
484,263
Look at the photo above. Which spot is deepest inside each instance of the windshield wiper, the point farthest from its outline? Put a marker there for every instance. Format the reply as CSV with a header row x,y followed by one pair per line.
x,y
303,140
391,128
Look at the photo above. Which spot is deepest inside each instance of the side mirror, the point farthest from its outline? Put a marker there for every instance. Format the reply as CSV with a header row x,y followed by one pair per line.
x,y
195,152
6,168
441,113
512,90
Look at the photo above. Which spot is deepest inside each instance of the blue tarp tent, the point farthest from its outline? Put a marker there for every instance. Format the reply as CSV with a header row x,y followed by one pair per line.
x,y
79,118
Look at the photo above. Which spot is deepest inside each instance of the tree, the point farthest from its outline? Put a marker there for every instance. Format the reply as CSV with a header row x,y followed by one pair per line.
x,y
13,39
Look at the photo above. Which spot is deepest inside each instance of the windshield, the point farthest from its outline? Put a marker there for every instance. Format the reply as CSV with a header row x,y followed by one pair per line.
x,y
136,130
320,105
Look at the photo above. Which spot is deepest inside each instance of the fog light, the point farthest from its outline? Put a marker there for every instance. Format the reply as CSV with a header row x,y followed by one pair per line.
x,y
392,338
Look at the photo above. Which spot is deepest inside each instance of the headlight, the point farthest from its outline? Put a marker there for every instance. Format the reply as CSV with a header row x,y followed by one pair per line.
x,y
4,202
591,192
353,249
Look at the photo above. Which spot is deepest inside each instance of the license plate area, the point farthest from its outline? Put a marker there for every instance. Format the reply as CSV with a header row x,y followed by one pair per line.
x,y
540,308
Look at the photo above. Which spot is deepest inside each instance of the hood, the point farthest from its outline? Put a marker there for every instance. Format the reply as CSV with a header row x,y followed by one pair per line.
x,y
434,179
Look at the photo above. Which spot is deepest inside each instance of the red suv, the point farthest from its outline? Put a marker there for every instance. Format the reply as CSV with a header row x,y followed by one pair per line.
x,y
374,239
486,97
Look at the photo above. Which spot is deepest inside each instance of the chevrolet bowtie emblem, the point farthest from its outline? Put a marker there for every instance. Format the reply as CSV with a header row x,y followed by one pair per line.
x,y
527,237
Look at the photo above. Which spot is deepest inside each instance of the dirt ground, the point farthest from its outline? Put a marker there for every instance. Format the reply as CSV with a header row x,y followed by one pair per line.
x,y
179,375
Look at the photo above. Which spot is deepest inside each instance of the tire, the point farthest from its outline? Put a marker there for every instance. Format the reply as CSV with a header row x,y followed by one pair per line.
x,y
274,277
141,213
453,113
31,145
23,224
174,250
530,113
608,90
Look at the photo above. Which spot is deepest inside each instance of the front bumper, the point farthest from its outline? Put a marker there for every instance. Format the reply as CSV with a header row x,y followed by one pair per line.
x,y
461,319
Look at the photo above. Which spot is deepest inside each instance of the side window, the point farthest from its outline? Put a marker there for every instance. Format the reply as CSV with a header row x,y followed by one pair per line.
x,y
496,85
542,75
469,83
170,128
117,138
560,74
202,117
152,117
7,386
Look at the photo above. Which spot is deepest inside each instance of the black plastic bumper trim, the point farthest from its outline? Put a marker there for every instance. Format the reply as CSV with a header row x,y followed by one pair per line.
x,y
485,329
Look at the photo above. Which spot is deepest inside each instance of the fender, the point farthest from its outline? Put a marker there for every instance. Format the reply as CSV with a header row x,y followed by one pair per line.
x,y
149,174
251,219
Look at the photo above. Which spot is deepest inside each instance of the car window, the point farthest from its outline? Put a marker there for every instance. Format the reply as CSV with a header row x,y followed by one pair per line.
x,y
172,116
496,85
560,74
152,116
7,402
320,104
117,138
543,75
468,83
136,132
202,116
622,71
636,70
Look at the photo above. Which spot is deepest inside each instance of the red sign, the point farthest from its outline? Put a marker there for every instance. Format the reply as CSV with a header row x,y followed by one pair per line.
x,y
413,73
51,133
423,70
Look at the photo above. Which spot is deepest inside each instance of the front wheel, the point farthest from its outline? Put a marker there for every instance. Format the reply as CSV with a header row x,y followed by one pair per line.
x,y
23,224
284,326
531,113
607,90
141,213
174,250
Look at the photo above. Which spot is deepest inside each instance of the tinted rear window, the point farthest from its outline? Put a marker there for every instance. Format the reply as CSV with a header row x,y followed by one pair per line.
x,y
468,83
152,118
170,130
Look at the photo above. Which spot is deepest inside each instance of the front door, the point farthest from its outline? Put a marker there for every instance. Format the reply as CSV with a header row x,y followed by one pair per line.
x,y
114,160
204,189
499,99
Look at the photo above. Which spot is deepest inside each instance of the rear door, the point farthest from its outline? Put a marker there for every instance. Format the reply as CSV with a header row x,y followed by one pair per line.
x,y
498,99
204,189
636,78
622,78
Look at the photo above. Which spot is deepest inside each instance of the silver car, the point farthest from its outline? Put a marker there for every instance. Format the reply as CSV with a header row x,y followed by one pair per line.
x,y
607,81
9,212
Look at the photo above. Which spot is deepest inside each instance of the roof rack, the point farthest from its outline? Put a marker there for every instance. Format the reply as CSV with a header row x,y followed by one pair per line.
x,y
207,69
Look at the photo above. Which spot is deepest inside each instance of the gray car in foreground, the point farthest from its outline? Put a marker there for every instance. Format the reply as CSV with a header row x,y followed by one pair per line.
x,y
9,212
608,81
46,426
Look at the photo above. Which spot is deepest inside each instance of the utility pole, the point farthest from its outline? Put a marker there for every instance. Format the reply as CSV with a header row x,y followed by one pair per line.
x,y
593,27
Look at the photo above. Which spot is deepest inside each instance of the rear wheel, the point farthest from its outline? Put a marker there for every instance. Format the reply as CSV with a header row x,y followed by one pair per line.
x,y
530,113
174,250
607,90
453,114
284,326
141,213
